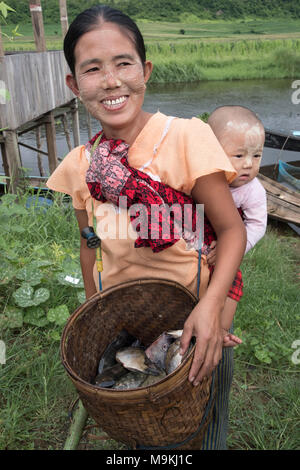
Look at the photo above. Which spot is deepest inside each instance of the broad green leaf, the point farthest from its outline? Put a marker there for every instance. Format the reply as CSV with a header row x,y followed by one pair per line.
x,y
26,297
41,295
58,315
39,263
14,317
23,295
71,278
30,275
36,316
263,356
55,335
6,275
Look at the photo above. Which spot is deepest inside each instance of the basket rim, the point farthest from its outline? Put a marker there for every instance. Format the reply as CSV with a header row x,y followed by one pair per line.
x,y
95,298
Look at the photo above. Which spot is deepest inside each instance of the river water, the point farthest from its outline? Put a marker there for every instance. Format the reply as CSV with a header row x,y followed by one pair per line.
x,y
270,99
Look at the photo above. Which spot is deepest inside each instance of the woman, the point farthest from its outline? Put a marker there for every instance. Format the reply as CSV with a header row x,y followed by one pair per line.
x,y
109,72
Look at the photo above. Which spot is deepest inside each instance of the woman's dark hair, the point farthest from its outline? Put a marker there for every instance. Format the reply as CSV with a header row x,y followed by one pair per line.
x,y
89,20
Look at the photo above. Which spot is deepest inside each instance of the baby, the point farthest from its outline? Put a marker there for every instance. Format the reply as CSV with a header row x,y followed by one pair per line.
x,y
242,137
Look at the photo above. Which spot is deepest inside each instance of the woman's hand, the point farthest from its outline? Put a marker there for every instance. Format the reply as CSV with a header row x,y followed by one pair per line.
x,y
204,323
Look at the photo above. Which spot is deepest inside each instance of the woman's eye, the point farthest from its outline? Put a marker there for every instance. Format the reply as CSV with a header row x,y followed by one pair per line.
x,y
93,69
238,156
258,155
123,64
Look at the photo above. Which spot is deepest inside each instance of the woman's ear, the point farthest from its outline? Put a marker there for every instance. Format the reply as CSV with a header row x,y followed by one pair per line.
x,y
148,67
72,84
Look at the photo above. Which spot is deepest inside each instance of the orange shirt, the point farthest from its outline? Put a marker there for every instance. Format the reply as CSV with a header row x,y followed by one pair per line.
x,y
172,150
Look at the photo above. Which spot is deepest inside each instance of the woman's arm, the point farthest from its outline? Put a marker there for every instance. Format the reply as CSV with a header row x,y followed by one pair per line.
x,y
87,256
204,320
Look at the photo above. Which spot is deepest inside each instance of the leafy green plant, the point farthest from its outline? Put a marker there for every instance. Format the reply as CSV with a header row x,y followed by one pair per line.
x,y
29,284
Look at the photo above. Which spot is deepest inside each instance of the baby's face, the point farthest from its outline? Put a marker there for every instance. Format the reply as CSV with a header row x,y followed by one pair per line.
x,y
243,144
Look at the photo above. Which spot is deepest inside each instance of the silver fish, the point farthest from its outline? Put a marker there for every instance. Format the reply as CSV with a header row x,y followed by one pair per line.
x,y
130,380
174,359
108,359
152,379
135,359
157,351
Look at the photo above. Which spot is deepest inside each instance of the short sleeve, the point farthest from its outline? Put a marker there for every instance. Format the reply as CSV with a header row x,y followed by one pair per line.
x,y
69,177
203,153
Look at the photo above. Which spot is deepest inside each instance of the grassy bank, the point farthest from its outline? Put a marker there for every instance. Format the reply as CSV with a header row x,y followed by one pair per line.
x,y
210,50
38,249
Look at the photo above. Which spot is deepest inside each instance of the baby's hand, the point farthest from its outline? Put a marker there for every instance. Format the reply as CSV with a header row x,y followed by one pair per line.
x,y
212,255
230,340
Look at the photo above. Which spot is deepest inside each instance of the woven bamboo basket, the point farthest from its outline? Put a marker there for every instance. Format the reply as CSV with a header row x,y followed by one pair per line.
x,y
170,414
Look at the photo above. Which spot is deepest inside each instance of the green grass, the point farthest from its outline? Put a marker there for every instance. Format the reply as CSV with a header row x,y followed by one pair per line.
x,y
208,50
36,394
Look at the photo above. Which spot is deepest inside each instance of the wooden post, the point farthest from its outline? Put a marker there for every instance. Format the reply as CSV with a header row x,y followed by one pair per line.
x,y
63,17
4,161
51,141
39,146
13,159
1,47
38,24
75,122
66,129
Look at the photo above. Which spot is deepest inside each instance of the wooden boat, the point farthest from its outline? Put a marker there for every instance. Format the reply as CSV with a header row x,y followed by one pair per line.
x,y
283,140
283,198
289,175
283,203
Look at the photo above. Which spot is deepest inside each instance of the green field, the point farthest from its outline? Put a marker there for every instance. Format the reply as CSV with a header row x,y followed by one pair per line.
x,y
208,50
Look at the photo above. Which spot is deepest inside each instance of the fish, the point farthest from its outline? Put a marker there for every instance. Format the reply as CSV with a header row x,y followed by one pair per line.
x,y
109,376
130,380
157,351
152,379
135,359
174,358
175,333
108,359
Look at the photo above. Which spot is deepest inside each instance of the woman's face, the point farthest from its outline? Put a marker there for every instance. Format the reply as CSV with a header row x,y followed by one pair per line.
x,y
110,77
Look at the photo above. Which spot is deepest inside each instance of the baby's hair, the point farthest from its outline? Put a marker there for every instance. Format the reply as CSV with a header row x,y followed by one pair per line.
x,y
221,116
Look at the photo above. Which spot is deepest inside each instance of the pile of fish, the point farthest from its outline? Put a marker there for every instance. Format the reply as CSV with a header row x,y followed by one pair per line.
x,y
127,364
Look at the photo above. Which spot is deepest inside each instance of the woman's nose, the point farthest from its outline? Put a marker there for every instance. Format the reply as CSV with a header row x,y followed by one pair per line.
x,y
110,79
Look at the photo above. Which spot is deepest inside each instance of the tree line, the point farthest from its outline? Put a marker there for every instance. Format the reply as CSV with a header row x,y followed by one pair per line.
x,y
165,10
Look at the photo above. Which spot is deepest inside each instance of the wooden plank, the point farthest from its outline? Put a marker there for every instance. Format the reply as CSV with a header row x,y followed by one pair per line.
x,y
44,74
75,122
280,191
13,159
282,210
38,25
63,17
51,141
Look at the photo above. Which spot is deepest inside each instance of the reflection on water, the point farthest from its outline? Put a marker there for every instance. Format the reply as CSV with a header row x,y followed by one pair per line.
x,y
270,99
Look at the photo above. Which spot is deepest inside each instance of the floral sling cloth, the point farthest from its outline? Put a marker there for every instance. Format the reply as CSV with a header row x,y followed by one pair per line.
x,y
111,178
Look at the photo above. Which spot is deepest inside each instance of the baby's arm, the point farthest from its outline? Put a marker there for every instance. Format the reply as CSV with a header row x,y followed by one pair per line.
x,y
255,214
